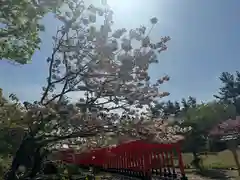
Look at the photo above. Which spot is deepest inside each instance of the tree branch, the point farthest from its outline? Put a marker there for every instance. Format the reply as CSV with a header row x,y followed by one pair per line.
x,y
49,82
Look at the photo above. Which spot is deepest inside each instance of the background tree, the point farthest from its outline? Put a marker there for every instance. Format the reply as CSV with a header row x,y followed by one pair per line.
x,y
165,109
11,126
228,131
230,90
202,118
11,129
171,108
191,102
20,27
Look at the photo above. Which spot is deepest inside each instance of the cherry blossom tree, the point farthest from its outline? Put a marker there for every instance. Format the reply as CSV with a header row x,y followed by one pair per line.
x,y
104,66
112,75
228,131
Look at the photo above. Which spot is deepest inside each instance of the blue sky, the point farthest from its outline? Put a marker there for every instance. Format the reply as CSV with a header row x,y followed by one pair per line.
x,y
205,42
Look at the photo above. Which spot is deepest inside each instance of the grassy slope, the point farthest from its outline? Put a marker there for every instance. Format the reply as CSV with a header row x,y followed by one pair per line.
x,y
222,159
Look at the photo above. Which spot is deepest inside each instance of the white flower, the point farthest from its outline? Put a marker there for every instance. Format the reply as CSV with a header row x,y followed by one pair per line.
x,y
68,14
137,52
105,29
81,36
109,16
100,12
125,57
85,21
134,35
92,18
118,33
105,50
92,34
143,58
126,44
113,45
141,61
145,42
154,20
127,65
92,9
125,75
94,114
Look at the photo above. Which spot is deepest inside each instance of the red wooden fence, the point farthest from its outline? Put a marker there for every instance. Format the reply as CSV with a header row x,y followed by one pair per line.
x,y
133,157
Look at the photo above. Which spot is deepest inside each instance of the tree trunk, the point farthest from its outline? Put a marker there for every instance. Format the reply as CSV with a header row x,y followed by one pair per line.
x,y
37,163
196,161
11,174
23,156
232,145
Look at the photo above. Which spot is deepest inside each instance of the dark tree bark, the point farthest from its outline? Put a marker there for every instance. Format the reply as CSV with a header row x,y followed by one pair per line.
x,y
23,156
196,161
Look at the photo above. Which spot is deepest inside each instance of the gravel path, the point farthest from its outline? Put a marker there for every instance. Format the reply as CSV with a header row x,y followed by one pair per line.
x,y
209,175
214,175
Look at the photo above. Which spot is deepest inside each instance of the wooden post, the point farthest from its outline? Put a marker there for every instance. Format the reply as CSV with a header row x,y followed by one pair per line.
x,y
180,162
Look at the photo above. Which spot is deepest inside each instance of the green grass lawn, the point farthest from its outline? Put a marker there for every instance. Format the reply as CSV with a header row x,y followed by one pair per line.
x,y
223,159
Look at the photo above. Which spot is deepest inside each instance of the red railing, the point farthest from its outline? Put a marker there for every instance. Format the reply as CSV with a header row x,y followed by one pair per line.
x,y
133,157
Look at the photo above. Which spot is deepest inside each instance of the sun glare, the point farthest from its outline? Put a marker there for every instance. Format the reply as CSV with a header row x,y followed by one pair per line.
x,y
121,5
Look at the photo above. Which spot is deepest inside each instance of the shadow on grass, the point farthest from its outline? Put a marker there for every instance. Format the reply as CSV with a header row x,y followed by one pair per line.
x,y
214,174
